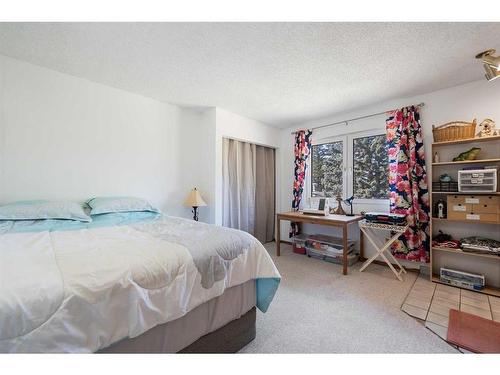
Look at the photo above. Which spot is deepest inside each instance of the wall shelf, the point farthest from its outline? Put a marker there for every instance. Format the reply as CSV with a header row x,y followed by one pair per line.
x,y
467,221
464,193
469,140
486,290
467,162
461,252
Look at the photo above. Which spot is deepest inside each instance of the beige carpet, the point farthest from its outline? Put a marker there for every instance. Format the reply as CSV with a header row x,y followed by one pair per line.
x,y
317,310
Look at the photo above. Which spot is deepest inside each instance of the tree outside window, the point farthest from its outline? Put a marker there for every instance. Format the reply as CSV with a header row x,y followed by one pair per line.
x,y
369,166
327,167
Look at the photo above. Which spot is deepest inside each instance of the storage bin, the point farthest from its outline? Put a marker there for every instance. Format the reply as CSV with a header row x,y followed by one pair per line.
x,y
336,252
491,200
456,204
453,131
472,216
299,243
477,180
351,259
325,242
449,186
485,209
314,253
473,207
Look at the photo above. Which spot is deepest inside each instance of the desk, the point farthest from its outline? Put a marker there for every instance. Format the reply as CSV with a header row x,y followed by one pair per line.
x,y
339,221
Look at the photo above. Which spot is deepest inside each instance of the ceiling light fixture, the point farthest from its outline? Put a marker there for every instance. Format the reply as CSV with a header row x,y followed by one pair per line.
x,y
491,64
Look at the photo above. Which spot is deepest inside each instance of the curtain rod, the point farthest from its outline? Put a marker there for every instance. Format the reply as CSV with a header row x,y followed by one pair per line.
x,y
354,119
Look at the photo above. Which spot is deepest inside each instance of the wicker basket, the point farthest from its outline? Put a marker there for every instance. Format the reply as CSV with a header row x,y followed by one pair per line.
x,y
453,131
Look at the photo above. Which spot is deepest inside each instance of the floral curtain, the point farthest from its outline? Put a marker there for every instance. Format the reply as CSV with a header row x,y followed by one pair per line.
x,y
408,182
302,150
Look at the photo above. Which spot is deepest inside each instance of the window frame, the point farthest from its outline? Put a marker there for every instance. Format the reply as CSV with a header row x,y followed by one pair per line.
x,y
348,166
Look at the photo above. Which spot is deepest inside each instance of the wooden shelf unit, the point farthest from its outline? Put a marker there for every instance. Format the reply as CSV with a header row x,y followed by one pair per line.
x,y
486,290
462,193
461,252
467,221
436,170
469,140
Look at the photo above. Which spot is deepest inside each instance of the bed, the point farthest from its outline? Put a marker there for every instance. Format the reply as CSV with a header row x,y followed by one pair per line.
x,y
130,282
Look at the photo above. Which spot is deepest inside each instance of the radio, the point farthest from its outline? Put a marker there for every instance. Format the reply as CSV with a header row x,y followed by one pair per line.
x,y
462,279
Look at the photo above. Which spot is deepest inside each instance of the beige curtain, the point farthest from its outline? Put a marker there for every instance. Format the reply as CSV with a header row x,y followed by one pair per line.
x,y
238,173
248,188
265,194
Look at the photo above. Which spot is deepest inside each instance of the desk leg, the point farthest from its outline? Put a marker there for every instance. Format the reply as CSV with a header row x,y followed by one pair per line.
x,y
344,255
361,244
278,237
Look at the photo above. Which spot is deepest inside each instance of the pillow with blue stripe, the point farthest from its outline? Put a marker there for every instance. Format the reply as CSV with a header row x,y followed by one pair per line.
x,y
43,210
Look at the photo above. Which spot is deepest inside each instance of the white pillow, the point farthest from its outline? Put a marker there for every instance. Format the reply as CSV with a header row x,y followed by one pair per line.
x,y
105,205
42,210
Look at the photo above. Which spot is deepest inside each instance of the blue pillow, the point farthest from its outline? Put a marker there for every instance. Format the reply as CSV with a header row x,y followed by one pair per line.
x,y
106,205
42,210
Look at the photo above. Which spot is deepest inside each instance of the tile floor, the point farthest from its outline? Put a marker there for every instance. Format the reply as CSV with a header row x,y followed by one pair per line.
x,y
431,302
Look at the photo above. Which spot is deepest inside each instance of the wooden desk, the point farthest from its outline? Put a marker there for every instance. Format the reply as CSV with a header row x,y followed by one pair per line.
x,y
339,221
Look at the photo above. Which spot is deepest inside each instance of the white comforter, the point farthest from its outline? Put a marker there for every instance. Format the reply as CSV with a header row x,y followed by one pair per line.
x,y
82,290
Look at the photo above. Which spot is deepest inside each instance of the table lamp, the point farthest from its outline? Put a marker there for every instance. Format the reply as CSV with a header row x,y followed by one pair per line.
x,y
194,200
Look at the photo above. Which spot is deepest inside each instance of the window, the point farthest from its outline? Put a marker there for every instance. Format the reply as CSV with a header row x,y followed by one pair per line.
x,y
370,167
327,169
355,164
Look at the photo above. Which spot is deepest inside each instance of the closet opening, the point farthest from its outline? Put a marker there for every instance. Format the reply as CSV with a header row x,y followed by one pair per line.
x,y
249,188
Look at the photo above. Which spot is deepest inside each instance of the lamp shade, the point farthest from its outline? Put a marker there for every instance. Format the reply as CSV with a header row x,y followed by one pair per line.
x,y
194,199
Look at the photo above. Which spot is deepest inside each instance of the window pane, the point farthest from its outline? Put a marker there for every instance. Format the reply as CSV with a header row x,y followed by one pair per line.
x,y
371,167
327,164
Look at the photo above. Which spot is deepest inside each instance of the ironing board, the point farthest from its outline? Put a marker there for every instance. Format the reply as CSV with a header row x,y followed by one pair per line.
x,y
370,230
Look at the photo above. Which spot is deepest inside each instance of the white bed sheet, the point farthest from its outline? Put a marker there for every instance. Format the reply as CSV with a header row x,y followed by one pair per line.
x,y
82,290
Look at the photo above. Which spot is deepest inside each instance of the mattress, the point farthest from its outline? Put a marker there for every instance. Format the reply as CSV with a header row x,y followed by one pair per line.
x,y
75,287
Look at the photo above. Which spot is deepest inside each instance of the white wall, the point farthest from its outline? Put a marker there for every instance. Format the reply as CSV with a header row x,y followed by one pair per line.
x,y
64,137
201,157
479,100
198,158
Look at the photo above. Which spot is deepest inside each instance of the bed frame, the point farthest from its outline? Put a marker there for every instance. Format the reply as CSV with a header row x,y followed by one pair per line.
x,y
228,339
224,324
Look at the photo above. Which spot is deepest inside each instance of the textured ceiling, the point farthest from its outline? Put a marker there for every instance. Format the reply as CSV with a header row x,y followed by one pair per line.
x,y
278,73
